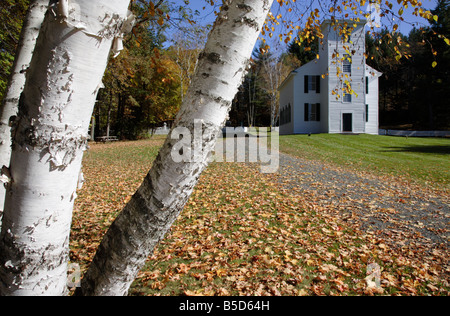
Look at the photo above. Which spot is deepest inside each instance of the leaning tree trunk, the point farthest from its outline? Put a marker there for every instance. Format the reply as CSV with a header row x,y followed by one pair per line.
x,y
166,189
49,137
9,108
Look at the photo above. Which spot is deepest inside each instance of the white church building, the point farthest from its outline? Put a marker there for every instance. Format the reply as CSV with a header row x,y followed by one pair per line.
x,y
314,98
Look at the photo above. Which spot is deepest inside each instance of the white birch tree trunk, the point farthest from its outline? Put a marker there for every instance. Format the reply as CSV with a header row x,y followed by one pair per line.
x,y
9,108
49,137
169,184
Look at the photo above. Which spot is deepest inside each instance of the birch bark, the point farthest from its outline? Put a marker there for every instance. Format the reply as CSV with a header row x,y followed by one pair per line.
x,y
49,137
9,108
166,189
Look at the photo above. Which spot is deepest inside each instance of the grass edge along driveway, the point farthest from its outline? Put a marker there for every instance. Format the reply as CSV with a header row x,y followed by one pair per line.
x,y
425,161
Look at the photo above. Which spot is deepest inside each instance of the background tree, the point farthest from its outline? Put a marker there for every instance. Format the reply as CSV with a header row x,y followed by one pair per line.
x,y
272,75
12,15
394,84
188,43
251,107
141,84
414,86
428,100
304,52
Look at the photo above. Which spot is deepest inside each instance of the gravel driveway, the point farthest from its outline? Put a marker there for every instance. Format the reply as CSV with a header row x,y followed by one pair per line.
x,y
395,209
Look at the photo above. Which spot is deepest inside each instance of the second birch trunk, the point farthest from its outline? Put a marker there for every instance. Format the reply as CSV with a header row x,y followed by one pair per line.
x,y
9,108
168,186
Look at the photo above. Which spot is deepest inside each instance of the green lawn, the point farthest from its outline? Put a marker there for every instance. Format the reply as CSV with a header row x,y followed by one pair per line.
x,y
423,160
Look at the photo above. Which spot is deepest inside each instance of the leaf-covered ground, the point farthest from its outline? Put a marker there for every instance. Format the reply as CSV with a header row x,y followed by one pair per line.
x,y
245,233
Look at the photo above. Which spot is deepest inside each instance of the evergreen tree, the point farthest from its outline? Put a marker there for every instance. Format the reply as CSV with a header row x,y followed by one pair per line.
x,y
306,51
430,62
415,85
394,84
12,15
251,106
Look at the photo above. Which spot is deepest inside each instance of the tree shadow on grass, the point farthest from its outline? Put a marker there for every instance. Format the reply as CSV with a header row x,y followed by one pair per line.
x,y
439,150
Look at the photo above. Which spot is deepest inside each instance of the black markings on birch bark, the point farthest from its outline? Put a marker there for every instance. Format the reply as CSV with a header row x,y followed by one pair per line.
x,y
244,7
17,267
247,21
62,144
213,58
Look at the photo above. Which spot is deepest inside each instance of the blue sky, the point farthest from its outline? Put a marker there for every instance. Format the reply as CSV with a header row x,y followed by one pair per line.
x,y
206,11
205,14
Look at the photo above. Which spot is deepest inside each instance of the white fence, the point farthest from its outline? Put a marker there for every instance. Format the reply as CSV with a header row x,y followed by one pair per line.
x,y
165,130
390,132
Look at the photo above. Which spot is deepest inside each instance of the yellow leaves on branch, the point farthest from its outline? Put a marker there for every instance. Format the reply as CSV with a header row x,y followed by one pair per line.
x,y
308,22
153,12
160,20
286,2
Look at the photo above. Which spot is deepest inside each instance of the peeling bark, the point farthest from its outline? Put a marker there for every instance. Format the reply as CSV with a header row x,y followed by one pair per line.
x,y
49,137
9,108
169,184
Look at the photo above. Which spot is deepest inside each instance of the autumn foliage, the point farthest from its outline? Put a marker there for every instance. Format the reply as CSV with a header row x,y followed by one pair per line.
x,y
242,233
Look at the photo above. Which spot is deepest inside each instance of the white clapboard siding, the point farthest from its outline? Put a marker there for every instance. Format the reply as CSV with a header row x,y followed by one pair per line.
x,y
333,108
